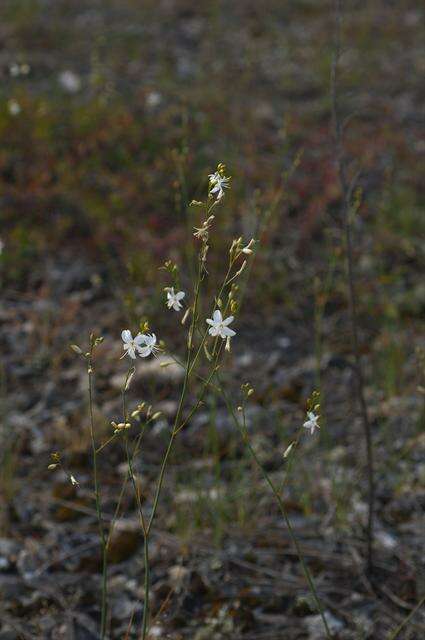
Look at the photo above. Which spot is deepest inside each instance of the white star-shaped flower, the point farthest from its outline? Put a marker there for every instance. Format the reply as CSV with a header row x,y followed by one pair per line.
x,y
218,183
173,299
132,345
149,346
312,422
219,327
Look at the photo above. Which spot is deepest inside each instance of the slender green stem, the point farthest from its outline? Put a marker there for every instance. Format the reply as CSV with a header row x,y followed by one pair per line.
x,y
102,537
133,482
179,409
276,494
169,449
116,512
406,621
205,333
139,504
105,444
124,484
147,579
178,425
200,398
145,542
291,460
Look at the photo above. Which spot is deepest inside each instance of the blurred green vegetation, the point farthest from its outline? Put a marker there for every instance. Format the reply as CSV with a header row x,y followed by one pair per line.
x,y
112,116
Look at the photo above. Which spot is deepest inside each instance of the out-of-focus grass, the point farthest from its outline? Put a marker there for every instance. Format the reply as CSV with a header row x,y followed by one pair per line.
x,y
167,90
248,97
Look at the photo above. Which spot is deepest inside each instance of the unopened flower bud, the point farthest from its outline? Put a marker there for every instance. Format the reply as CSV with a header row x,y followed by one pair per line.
x,y
186,315
76,349
288,450
247,250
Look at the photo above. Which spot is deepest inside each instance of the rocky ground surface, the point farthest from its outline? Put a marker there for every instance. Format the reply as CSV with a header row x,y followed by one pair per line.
x,y
225,574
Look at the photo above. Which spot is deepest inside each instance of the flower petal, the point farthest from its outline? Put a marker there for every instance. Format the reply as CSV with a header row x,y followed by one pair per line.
x,y
228,320
225,331
126,335
144,352
217,317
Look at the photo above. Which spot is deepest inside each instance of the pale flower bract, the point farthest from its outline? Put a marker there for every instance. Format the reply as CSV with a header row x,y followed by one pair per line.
x,y
219,326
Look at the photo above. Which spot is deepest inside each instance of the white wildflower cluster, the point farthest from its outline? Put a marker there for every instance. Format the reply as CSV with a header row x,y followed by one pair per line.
x,y
141,345
206,335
